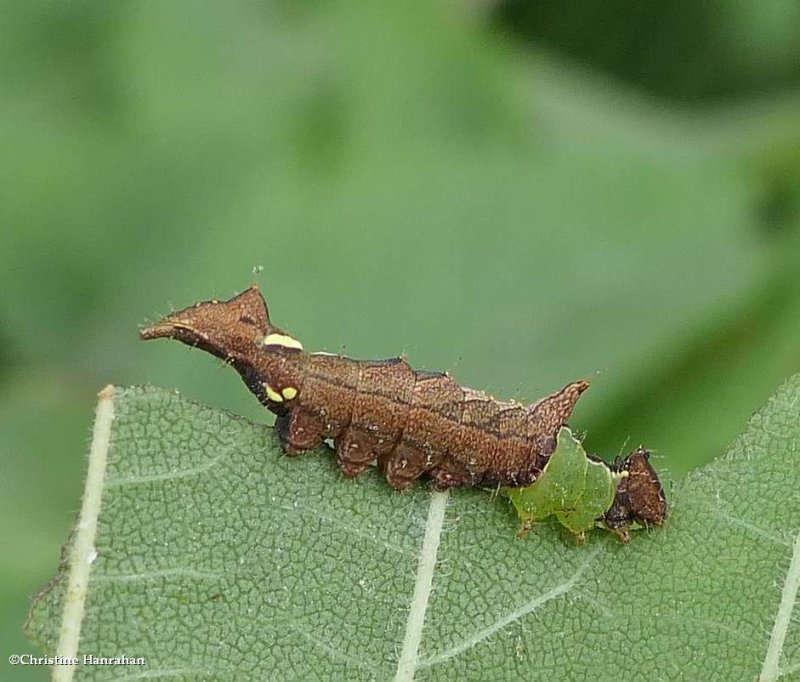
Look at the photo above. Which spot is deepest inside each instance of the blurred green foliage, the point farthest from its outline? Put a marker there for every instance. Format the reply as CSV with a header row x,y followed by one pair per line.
x,y
412,178
688,51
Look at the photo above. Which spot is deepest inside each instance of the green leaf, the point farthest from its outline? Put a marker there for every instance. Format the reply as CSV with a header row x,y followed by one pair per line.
x,y
204,550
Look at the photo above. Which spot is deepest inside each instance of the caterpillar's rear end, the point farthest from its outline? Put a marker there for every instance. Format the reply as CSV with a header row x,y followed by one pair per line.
x,y
413,423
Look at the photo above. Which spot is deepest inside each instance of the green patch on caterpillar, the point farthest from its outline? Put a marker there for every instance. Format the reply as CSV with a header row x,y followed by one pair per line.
x,y
584,492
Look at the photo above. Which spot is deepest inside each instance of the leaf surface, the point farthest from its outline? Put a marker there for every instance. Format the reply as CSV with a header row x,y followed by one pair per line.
x,y
219,558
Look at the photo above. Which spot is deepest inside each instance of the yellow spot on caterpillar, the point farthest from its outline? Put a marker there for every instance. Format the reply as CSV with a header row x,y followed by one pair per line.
x,y
281,340
272,394
289,392
616,475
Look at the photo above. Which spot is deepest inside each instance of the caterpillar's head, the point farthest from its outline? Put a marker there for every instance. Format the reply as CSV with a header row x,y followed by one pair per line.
x,y
639,500
231,330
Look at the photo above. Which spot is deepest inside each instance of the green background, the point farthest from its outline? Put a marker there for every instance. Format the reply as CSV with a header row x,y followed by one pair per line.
x,y
520,196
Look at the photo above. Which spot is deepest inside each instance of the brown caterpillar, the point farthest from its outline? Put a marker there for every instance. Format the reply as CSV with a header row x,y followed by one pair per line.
x,y
412,422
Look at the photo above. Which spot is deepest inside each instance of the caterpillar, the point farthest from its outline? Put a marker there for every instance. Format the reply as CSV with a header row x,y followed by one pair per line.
x,y
415,423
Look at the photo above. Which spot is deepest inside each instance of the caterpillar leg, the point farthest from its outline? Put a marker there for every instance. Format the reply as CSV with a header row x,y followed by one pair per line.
x,y
525,527
403,465
299,431
356,450
451,474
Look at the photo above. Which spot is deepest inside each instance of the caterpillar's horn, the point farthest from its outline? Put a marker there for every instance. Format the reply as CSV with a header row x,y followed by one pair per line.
x,y
219,327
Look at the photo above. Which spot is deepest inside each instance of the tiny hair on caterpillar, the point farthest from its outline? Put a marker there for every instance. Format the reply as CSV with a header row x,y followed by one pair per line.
x,y
418,423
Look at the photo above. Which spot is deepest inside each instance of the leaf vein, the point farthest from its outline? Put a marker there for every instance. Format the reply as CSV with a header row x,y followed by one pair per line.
x,y
334,653
347,528
719,513
164,476
511,617
153,575
770,670
83,551
408,662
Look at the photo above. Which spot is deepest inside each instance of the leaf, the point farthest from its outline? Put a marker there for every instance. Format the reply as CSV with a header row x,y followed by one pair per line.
x,y
215,557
